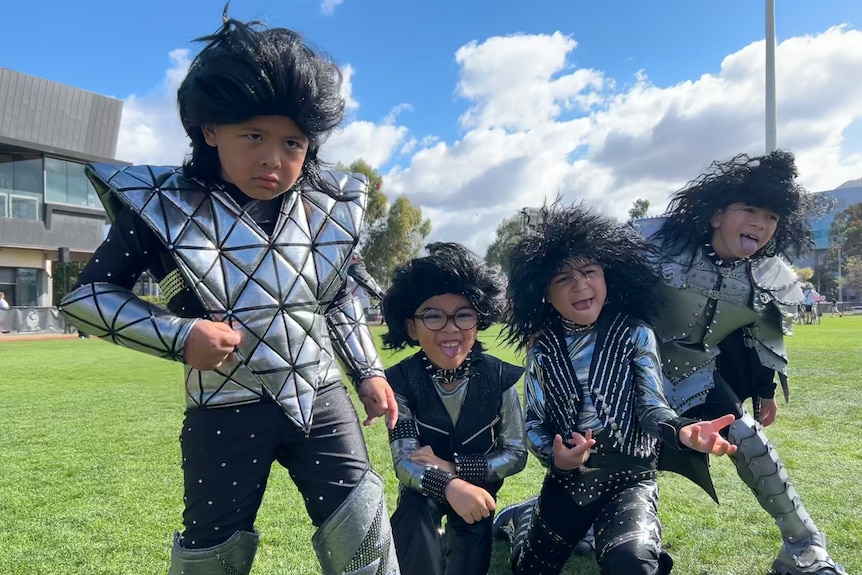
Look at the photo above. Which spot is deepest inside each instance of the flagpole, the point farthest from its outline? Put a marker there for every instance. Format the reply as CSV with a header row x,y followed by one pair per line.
x,y
771,115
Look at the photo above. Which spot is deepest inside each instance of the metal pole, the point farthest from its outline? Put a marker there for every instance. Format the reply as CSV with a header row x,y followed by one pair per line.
x,y
840,283
771,114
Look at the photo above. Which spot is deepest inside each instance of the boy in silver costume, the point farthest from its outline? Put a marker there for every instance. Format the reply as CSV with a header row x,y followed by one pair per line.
x,y
250,241
730,297
579,290
460,430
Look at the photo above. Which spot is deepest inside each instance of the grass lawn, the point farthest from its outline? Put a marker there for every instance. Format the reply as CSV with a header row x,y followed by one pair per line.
x,y
90,480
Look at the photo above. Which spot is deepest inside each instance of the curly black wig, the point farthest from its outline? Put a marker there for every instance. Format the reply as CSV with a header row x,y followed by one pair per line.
x,y
246,70
576,232
762,181
448,268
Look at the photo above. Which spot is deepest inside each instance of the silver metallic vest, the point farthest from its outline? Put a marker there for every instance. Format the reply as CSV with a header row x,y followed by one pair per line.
x,y
761,293
275,290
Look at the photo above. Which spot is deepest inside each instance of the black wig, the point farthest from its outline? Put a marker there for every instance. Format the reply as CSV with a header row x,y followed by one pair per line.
x,y
763,181
448,268
246,70
576,232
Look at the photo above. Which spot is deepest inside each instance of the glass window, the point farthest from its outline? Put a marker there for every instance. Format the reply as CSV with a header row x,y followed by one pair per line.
x,y
21,186
6,172
66,183
27,175
55,180
28,288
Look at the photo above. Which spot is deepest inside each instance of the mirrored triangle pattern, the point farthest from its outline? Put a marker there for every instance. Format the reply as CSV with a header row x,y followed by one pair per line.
x,y
269,289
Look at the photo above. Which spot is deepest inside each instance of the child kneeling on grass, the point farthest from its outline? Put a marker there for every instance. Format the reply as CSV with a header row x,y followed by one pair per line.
x,y
460,430
580,291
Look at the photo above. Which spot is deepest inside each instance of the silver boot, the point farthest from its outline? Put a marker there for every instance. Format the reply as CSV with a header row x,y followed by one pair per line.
x,y
803,551
233,557
357,538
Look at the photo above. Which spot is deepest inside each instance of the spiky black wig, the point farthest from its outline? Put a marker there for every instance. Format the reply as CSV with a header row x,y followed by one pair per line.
x,y
246,70
576,232
761,181
448,268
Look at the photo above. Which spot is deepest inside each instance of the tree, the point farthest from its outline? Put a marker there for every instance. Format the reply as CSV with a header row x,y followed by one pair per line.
x,y
639,209
392,242
509,232
846,231
852,274
63,278
826,273
375,209
805,274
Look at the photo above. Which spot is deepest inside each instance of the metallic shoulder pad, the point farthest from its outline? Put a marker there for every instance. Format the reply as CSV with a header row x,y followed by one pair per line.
x,y
347,185
775,282
110,178
109,311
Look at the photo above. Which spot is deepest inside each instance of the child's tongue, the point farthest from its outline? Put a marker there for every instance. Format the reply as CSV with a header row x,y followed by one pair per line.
x,y
450,351
583,304
749,246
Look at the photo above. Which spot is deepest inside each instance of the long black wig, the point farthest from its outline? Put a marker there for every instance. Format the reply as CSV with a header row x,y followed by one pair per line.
x,y
761,181
247,70
576,232
448,268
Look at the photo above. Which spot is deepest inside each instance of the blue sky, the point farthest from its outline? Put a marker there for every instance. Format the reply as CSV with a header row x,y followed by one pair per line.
x,y
474,109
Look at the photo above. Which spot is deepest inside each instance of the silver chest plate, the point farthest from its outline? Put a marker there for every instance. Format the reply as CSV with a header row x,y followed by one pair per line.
x,y
273,290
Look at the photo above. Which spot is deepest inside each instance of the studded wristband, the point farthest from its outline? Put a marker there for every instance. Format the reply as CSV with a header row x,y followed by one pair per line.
x,y
405,428
434,483
472,468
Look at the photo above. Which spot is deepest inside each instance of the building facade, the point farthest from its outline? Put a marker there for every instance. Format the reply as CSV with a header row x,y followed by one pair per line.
x,y
49,211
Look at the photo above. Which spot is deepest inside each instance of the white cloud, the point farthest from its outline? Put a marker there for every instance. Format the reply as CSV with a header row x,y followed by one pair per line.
x,y
327,7
567,130
150,129
350,104
561,129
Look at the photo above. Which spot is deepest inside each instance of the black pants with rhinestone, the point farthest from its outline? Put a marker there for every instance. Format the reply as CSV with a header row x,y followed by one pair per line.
x,y
463,549
228,452
627,529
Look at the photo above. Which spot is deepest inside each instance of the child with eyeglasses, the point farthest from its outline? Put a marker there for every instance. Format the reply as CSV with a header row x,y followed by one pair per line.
x,y
460,430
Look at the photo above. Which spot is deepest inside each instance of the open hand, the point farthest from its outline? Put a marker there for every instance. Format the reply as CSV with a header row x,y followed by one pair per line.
x,y
703,436
377,397
566,458
209,344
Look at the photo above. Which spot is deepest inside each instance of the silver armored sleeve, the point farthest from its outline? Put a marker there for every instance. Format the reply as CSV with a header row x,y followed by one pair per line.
x,y
352,340
652,407
109,311
403,441
510,456
540,440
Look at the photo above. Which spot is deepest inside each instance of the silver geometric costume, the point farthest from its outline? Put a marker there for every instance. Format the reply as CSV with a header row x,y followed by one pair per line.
x,y
274,290
283,293
704,303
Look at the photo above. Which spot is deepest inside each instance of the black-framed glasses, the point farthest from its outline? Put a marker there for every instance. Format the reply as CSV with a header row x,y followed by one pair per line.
x,y
436,319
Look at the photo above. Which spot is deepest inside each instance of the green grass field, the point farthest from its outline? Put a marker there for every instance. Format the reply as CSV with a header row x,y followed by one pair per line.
x,y
90,480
